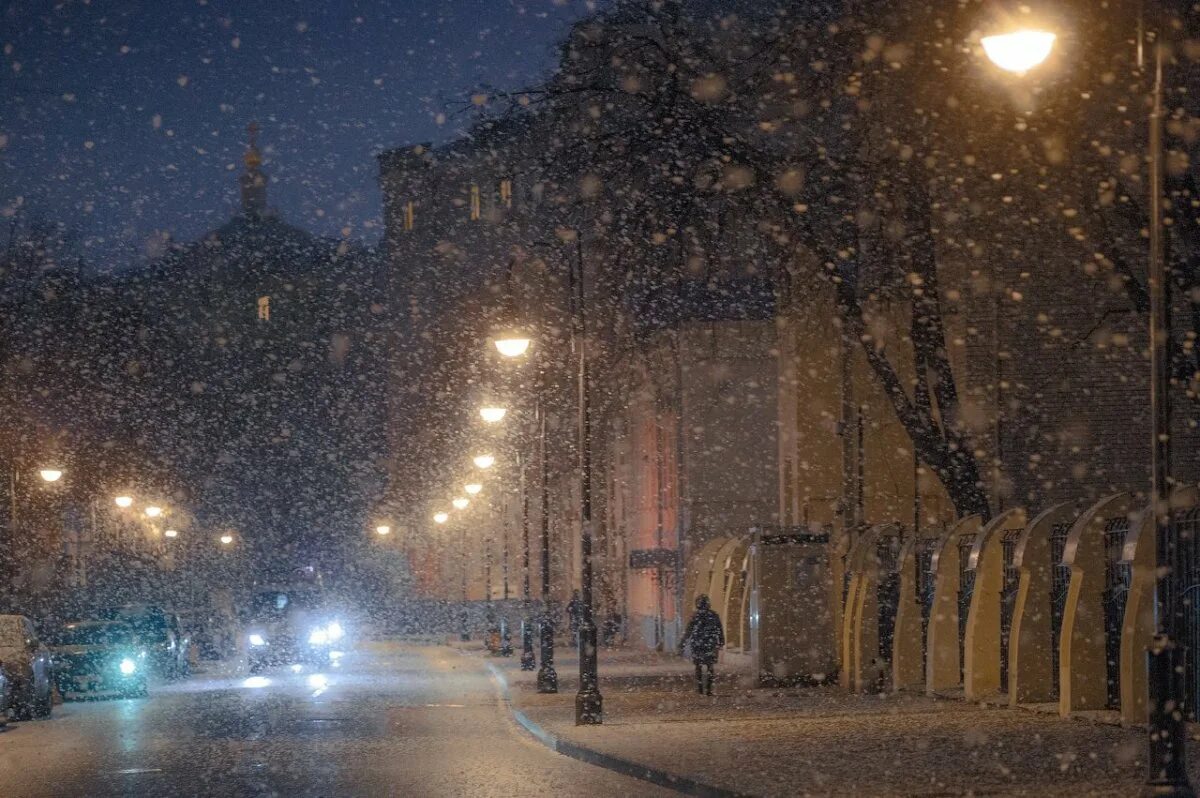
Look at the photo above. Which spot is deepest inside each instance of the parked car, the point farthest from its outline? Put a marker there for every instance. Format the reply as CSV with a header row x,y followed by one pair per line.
x,y
5,699
100,657
159,630
27,668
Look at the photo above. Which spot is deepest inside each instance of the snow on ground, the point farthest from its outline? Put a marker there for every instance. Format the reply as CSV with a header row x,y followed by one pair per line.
x,y
823,741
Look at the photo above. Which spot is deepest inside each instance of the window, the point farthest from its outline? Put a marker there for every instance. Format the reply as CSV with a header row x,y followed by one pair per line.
x,y
506,193
409,215
264,308
476,210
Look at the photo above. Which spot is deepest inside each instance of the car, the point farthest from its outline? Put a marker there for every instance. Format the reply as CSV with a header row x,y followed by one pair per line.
x,y
5,699
100,657
27,668
288,626
159,630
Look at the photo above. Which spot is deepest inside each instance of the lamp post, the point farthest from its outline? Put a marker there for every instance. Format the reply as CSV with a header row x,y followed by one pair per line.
x,y
461,504
511,344
589,704
547,677
1018,52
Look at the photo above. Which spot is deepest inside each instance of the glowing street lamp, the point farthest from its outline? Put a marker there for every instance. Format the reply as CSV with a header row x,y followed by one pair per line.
x,y
124,502
171,533
226,539
512,344
383,529
1019,51
460,503
51,474
153,511
492,415
472,488
441,518
483,461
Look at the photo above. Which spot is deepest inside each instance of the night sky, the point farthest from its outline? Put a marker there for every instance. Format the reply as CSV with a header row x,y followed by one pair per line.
x,y
125,120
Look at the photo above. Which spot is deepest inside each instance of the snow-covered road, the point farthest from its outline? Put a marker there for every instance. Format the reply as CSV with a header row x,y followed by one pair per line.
x,y
400,720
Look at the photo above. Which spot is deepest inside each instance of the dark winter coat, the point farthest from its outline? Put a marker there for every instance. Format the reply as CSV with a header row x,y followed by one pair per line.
x,y
705,636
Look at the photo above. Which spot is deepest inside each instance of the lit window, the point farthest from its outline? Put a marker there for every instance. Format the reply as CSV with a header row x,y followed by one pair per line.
x,y
506,193
409,215
264,308
475,206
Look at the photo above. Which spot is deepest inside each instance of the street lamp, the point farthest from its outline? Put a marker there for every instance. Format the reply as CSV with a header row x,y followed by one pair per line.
x,y
171,533
483,461
226,539
124,502
460,503
441,518
383,529
1019,51
1167,774
153,511
472,488
492,414
512,344
51,474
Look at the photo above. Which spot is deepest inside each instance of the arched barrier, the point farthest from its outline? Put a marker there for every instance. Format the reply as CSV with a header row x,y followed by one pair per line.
x,y
731,604
943,661
1033,641
1089,648
1137,626
993,583
718,585
872,596
914,607
699,573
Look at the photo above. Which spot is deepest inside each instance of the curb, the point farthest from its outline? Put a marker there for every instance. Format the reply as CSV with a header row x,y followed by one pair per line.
x,y
662,778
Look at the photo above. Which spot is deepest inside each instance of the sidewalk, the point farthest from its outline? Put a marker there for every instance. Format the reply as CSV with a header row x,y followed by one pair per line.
x,y
823,741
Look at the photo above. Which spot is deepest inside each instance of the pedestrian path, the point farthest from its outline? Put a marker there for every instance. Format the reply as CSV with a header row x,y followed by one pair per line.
x,y
823,741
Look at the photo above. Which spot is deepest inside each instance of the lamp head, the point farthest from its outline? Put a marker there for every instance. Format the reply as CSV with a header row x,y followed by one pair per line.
x,y
512,344
492,414
1019,51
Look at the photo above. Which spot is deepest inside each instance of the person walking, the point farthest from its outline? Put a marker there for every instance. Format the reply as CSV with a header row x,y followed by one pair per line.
x,y
704,637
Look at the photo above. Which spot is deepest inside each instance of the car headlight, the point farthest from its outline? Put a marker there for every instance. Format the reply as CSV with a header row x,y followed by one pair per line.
x,y
318,637
334,631
127,667
257,640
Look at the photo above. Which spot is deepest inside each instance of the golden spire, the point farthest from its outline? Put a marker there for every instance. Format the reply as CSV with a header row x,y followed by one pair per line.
x,y
253,181
252,158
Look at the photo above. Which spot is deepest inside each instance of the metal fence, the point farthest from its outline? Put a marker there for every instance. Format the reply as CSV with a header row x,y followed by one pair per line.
x,y
1187,526
1060,585
966,586
1117,576
887,552
926,584
1008,596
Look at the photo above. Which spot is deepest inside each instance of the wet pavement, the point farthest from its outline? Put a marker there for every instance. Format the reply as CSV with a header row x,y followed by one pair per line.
x,y
400,720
